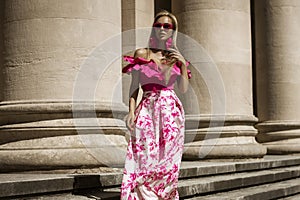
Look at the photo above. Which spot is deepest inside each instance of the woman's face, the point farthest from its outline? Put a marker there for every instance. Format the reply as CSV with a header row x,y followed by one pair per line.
x,y
163,28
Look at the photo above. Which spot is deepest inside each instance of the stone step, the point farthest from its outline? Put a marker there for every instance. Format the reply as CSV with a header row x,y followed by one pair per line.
x,y
31,184
264,192
196,177
205,168
63,196
28,184
217,183
292,197
202,185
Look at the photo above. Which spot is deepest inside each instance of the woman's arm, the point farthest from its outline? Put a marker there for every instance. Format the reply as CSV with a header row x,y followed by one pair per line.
x,y
134,90
133,93
183,81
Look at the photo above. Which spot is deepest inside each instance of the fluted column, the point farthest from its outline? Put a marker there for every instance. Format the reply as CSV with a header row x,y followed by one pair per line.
x,y
278,71
223,29
61,71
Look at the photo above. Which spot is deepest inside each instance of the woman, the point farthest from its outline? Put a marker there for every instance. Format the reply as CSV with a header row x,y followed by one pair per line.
x,y
157,123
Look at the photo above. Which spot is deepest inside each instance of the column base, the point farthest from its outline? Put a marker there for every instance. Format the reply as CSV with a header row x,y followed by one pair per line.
x,y
59,145
58,141
280,137
224,148
234,140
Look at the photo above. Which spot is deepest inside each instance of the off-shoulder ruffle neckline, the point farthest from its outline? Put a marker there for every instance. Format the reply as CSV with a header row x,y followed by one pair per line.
x,y
152,70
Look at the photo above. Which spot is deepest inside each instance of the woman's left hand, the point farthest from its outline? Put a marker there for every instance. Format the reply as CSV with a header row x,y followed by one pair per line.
x,y
176,55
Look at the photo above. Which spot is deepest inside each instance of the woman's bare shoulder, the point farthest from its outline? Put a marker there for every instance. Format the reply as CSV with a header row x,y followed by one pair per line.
x,y
142,53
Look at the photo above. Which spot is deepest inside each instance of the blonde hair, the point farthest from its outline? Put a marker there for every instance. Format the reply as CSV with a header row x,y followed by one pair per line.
x,y
174,22
174,38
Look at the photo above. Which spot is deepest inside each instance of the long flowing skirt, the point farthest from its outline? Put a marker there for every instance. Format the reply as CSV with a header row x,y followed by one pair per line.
x,y
155,148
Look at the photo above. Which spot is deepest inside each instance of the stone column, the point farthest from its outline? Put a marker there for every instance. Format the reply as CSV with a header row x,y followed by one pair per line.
x,y
61,71
137,19
223,29
278,71
1,49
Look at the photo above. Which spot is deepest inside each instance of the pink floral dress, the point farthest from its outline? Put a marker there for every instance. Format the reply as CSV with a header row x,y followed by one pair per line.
x,y
156,145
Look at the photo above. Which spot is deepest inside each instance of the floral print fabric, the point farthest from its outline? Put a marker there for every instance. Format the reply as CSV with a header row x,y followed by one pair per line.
x,y
155,147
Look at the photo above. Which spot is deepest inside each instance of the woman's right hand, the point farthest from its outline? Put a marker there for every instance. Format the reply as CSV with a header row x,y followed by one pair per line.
x,y
130,121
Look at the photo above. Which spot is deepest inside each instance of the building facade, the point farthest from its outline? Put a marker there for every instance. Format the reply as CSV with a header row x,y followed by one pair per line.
x,y
63,97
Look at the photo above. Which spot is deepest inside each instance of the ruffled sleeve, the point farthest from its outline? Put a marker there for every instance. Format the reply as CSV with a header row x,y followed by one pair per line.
x,y
134,64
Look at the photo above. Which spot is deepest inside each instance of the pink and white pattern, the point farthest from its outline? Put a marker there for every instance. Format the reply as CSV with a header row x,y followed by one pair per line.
x,y
156,145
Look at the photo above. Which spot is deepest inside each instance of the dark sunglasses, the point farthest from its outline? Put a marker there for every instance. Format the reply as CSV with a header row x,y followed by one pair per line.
x,y
165,25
